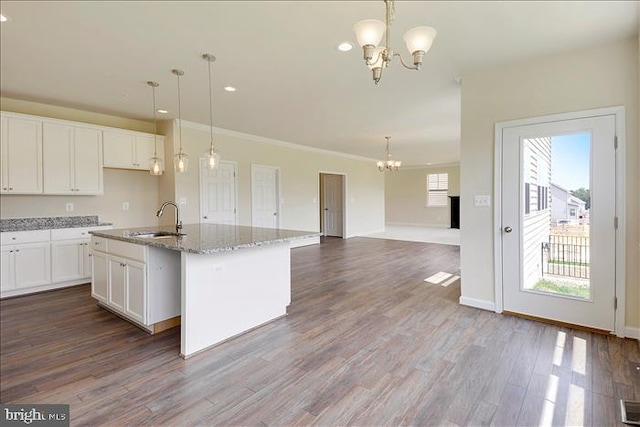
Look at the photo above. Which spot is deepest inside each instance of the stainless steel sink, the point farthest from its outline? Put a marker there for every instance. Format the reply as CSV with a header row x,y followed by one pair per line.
x,y
157,235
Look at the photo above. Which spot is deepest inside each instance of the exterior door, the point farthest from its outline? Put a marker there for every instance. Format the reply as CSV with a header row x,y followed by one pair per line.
x,y
264,196
558,231
218,193
332,205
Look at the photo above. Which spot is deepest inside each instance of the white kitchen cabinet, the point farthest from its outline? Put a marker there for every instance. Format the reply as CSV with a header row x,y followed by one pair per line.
x,y
67,260
100,277
72,160
130,150
20,156
26,259
138,282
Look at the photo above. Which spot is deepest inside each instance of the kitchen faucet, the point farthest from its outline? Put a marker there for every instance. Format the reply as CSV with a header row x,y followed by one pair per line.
x,y
178,222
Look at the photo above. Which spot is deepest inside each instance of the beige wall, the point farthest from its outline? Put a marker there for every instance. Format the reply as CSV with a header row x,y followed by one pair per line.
x,y
299,172
599,77
138,188
405,196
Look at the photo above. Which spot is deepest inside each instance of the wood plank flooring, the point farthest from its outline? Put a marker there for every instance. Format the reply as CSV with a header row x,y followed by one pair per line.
x,y
367,342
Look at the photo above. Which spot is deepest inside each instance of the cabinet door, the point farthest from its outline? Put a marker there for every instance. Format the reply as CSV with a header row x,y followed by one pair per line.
x,y
136,298
100,277
144,151
88,161
87,256
23,156
67,261
117,282
7,281
57,146
118,149
32,264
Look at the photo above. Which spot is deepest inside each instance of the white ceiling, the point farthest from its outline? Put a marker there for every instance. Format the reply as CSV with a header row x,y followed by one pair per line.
x,y
293,84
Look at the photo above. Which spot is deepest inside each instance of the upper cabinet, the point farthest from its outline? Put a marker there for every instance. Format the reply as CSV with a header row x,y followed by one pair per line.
x,y
130,150
72,160
41,155
21,156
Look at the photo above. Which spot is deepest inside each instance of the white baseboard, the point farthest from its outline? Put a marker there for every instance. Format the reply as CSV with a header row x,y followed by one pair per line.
x,y
415,224
631,332
478,303
307,241
366,233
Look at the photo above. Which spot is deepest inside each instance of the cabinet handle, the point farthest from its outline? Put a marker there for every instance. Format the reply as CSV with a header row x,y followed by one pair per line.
x,y
17,250
4,188
13,238
90,254
11,188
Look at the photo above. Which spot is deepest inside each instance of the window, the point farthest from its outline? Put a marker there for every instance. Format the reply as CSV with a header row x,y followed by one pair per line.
x,y
437,189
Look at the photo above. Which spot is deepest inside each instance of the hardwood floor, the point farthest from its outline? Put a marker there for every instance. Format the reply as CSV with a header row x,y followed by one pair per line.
x,y
366,342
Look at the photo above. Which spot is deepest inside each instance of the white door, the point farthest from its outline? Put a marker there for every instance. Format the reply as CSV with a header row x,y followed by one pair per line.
x,y
100,277
135,286
332,205
57,150
32,264
117,274
218,193
67,260
264,196
88,161
556,266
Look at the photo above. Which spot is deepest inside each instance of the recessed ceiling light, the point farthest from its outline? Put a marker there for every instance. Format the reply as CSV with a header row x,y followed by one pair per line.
x,y
3,17
345,46
162,111
230,88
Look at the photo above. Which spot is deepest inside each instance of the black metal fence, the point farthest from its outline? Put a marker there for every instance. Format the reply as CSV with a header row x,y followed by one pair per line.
x,y
566,256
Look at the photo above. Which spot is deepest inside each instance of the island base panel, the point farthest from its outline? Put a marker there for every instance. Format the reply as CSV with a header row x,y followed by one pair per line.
x,y
229,293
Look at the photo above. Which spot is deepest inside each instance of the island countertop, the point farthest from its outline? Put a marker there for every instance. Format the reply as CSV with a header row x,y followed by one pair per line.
x,y
206,238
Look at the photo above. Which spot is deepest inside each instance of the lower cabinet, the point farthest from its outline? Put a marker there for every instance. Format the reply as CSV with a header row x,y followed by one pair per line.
x,y
24,266
140,283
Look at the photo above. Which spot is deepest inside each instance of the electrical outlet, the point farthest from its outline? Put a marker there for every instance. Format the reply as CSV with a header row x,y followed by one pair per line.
x,y
125,206
69,207
483,201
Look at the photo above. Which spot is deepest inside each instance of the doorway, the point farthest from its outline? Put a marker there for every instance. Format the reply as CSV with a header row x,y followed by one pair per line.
x,y
332,203
265,196
218,193
558,239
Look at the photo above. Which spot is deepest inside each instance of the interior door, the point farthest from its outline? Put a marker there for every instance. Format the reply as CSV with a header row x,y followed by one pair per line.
x,y
558,232
218,193
264,196
332,205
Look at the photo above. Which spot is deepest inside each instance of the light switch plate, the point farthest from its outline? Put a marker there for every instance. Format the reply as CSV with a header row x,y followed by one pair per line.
x,y
125,206
483,201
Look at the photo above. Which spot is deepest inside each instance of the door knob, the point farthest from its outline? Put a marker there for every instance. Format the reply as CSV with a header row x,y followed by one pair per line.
x,y
508,229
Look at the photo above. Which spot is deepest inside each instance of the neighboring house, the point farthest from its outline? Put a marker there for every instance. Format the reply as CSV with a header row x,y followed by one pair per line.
x,y
565,208
537,217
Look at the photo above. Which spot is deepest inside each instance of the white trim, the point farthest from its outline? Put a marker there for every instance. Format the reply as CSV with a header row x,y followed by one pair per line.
x,y
619,113
264,140
366,233
278,190
631,332
433,166
478,303
416,224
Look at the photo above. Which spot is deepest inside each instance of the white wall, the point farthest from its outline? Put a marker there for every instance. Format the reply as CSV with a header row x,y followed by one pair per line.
x,y
299,173
405,196
599,77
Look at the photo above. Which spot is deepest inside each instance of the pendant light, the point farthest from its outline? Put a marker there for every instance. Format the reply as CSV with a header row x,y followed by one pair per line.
x,y
180,160
155,163
213,155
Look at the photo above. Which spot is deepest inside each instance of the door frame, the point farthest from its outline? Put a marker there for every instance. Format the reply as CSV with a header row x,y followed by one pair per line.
x,y
201,163
278,193
620,196
344,201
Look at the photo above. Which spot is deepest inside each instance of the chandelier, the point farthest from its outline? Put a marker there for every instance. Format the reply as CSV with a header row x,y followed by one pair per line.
x,y
388,165
369,33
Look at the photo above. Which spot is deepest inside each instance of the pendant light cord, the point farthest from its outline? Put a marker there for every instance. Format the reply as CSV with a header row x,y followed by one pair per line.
x,y
155,125
179,113
210,106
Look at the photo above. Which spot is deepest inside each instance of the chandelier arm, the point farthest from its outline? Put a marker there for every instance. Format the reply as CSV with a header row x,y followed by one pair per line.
x,y
409,67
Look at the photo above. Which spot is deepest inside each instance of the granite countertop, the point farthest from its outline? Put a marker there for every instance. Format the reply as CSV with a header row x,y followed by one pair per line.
x,y
46,223
206,238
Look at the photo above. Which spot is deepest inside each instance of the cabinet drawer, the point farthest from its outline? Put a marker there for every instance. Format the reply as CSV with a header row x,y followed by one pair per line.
x,y
74,233
99,244
127,250
32,236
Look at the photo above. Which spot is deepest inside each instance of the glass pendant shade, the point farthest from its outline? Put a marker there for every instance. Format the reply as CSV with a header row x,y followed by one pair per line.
x,y
155,165
369,32
213,158
419,39
181,162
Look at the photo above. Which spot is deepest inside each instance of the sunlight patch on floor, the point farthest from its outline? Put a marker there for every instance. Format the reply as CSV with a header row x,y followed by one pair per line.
x,y
441,278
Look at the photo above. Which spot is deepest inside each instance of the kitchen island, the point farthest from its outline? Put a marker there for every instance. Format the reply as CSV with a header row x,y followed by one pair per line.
x,y
232,279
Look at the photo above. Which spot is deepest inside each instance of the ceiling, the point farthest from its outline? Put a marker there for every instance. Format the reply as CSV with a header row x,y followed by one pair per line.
x,y
292,83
